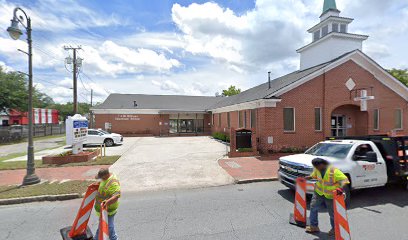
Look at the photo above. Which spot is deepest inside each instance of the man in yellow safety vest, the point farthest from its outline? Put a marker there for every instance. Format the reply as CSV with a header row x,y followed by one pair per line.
x,y
328,179
108,194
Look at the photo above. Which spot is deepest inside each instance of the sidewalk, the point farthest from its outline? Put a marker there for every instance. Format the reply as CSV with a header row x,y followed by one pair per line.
x,y
250,169
14,177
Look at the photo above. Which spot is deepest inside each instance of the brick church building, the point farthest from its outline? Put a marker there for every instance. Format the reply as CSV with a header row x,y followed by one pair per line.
x,y
338,91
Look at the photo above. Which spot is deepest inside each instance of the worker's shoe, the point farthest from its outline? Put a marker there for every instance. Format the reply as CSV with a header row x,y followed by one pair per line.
x,y
331,232
312,229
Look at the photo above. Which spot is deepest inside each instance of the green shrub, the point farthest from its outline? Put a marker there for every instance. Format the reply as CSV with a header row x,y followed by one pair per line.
x,y
220,136
244,149
292,150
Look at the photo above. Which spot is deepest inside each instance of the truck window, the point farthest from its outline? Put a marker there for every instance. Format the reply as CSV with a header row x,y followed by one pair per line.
x,y
330,150
361,151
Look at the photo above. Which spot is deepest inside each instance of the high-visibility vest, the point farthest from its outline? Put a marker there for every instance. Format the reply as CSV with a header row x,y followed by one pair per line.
x,y
333,179
105,192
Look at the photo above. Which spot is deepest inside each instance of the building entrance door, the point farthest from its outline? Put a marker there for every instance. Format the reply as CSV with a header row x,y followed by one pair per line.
x,y
338,126
187,125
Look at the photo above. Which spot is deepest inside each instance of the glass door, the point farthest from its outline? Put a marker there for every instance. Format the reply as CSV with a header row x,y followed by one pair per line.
x,y
338,126
187,125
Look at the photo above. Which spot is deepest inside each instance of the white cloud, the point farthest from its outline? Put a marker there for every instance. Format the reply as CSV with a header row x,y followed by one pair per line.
x,y
269,33
61,15
5,67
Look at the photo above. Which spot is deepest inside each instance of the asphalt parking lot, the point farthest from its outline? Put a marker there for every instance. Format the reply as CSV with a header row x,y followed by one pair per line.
x,y
159,163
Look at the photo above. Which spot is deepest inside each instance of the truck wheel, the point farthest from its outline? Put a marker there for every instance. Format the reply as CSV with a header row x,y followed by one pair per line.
x,y
109,142
348,195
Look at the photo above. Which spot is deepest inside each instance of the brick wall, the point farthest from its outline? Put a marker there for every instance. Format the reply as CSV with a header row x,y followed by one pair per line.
x,y
141,124
329,93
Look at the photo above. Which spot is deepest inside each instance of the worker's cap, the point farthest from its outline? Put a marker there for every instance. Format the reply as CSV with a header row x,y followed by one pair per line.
x,y
319,161
102,172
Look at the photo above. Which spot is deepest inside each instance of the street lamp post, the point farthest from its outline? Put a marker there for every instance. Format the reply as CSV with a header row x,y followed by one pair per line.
x,y
15,33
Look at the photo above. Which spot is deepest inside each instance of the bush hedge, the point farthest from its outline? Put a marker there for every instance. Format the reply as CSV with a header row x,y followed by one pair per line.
x,y
221,136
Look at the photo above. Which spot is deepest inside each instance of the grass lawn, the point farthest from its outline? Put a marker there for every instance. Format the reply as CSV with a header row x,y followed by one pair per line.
x,y
43,189
108,160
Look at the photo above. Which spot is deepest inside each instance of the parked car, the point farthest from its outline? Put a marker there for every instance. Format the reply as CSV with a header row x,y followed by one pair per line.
x,y
99,136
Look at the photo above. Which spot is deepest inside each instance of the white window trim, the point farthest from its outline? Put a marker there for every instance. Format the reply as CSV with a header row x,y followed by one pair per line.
x,y
294,122
320,120
378,120
402,119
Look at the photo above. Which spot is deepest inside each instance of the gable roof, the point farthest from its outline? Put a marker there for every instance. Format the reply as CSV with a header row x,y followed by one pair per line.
x,y
278,87
264,92
158,102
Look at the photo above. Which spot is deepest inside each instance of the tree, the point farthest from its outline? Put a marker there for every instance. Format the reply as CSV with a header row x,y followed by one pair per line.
x,y
14,92
400,74
231,91
66,109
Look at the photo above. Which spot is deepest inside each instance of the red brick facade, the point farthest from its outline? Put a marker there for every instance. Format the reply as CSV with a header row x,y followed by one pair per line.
x,y
141,124
328,92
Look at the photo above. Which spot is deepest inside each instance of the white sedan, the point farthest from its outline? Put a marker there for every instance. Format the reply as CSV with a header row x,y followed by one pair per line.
x,y
99,136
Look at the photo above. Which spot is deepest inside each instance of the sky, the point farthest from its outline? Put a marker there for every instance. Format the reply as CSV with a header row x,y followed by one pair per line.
x,y
184,47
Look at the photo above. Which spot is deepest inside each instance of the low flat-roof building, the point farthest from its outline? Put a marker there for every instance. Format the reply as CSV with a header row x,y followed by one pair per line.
x,y
338,91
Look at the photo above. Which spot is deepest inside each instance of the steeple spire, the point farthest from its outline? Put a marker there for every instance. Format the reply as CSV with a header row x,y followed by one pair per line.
x,y
329,5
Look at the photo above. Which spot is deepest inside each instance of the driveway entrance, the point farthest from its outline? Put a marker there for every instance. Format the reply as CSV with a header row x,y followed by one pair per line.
x,y
155,163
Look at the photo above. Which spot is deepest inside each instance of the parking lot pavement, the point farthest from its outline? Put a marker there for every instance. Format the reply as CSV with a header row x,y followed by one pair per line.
x,y
39,144
154,163
110,151
257,211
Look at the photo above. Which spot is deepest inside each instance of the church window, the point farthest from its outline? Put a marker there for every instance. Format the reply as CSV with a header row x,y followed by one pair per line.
x,y
316,35
376,119
289,119
398,119
318,119
325,30
343,28
335,27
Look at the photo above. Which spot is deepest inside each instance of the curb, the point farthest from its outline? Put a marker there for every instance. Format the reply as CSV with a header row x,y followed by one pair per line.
x,y
42,198
255,180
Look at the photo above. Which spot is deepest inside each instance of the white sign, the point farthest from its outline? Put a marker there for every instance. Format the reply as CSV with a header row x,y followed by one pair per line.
x,y
363,100
76,132
270,140
127,117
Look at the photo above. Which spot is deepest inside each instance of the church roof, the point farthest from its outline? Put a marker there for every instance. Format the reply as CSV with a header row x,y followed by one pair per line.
x,y
264,92
329,5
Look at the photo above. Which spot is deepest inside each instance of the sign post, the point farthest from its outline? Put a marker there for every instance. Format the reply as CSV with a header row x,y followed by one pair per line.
x,y
76,132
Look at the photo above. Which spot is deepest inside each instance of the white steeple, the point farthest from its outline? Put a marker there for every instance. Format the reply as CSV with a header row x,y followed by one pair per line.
x,y
330,38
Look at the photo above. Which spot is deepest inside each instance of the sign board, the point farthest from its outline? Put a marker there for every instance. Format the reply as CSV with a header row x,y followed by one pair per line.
x,y
76,132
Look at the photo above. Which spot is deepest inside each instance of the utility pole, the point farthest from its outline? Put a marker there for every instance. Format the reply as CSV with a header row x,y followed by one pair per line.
x,y
76,63
91,113
91,96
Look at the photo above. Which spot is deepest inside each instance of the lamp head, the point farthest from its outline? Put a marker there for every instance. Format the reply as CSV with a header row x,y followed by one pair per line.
x,y
14,31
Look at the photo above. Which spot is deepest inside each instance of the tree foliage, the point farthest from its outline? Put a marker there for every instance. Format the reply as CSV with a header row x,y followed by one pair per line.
x,y
400,74
66,109
231,91
14,92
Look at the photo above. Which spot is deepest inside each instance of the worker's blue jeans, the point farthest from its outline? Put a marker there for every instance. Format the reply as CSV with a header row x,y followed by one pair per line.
x,y
112,233
316,204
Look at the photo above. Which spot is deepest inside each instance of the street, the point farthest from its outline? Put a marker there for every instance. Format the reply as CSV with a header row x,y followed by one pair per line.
x,y
252,211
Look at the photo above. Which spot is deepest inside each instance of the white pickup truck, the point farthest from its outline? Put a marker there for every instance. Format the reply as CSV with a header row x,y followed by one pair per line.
x,y
369,161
